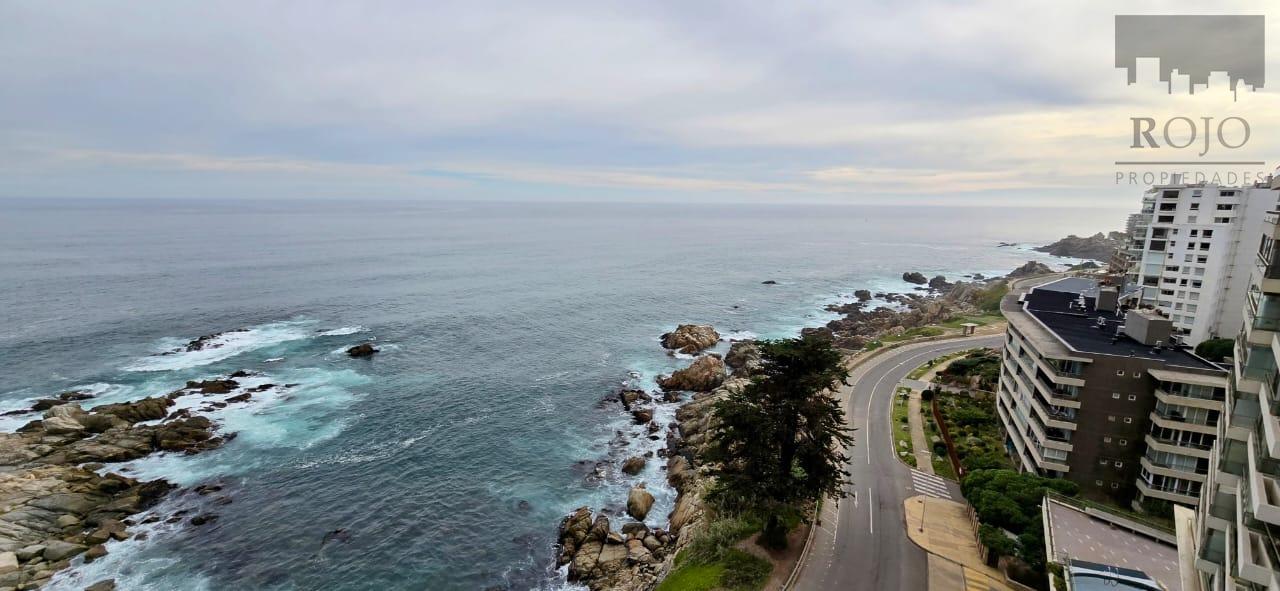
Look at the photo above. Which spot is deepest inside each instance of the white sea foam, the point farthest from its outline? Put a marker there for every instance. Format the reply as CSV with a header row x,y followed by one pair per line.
x,y
740,335
338,332
223,346
294,417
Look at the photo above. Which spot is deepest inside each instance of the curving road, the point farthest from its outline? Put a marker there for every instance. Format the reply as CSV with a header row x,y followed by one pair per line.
x,y
861,542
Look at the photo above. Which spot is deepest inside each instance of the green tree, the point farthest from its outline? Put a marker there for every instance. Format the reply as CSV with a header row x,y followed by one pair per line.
x,y
1215,349
781,438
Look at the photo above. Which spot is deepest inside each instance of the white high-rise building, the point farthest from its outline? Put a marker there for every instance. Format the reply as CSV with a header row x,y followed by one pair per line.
x,y
1193,248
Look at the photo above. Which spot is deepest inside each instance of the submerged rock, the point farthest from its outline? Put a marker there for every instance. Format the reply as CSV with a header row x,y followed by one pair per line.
x,y
362,350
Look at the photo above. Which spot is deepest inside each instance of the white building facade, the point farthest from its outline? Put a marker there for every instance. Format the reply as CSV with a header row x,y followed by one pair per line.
x,y
1193,249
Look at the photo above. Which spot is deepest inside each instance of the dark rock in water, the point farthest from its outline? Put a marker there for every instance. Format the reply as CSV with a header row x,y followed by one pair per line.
x,y
642,416
915,277
862,294
203,518
107,585
240,397
524,506
630,397
362,350
768,282
213,386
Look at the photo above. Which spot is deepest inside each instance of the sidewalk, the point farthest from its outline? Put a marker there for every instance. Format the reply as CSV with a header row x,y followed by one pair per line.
x,y
948,537
924,457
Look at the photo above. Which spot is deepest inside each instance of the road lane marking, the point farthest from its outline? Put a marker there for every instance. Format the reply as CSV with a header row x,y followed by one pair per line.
x,y
871,514
867,417
930,484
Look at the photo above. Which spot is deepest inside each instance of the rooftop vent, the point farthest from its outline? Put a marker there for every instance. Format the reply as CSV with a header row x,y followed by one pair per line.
x,y
1147,328
1108,297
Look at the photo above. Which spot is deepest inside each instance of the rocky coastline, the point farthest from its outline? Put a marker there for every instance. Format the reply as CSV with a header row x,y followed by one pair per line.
x,y
635,557
63,494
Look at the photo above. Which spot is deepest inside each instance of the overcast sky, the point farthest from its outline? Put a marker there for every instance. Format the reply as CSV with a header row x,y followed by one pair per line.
x,y
917,102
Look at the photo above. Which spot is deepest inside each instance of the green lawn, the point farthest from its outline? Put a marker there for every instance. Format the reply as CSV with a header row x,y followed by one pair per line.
x,y
920,331
982,320
693,577
901,428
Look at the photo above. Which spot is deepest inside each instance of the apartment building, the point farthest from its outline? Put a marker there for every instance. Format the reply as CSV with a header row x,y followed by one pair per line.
x,y
1234,542
1092,392
1191,251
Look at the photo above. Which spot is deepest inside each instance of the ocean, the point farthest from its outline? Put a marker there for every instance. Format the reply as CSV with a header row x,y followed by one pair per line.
x,y
450,456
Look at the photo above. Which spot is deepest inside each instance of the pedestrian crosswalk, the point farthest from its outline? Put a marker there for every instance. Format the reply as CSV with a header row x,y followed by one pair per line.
x,y
928,484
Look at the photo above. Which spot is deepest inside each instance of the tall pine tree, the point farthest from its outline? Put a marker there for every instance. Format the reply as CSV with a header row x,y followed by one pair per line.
x,y
782,438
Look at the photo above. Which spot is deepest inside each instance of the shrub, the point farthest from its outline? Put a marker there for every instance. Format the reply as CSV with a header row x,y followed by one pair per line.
x,y
927,395
744,571
1215,349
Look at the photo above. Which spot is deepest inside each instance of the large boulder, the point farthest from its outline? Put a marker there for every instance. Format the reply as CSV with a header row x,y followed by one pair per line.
x,y
915,277
691,338
634,465
863,295
639,501
704,374
743,358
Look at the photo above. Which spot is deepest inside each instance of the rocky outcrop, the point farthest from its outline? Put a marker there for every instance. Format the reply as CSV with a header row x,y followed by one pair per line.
x,y
915,277
1098,247
704,374
634,465
56,508
939,283
631,398
743,358
362,350
601,558
1030,269
863,295
691,338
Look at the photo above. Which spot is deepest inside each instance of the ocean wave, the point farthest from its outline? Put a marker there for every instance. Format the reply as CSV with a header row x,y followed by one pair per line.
x,y
304,408
223,346
338,332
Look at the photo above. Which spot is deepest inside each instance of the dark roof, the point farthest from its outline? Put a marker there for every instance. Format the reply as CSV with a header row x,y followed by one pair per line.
x,y
1079,328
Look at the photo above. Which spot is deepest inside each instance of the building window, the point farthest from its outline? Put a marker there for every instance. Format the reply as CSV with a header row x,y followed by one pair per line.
x,y
1098,482
1120,372
1106,440
1115,395
1128,420
1133,397
1111,418
1119,464
1115,485
1191,219
1124,442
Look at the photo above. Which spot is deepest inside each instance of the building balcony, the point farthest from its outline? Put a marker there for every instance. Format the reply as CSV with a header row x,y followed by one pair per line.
x,y
1174,421
1051,417
1163,469
1051,437
1255,554
1270,419
1168,494
1179,447
1264,488
1183,399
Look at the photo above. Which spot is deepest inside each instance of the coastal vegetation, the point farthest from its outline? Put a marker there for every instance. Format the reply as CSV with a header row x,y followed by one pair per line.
x,y
780,441
1008,504
971,420
980,369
